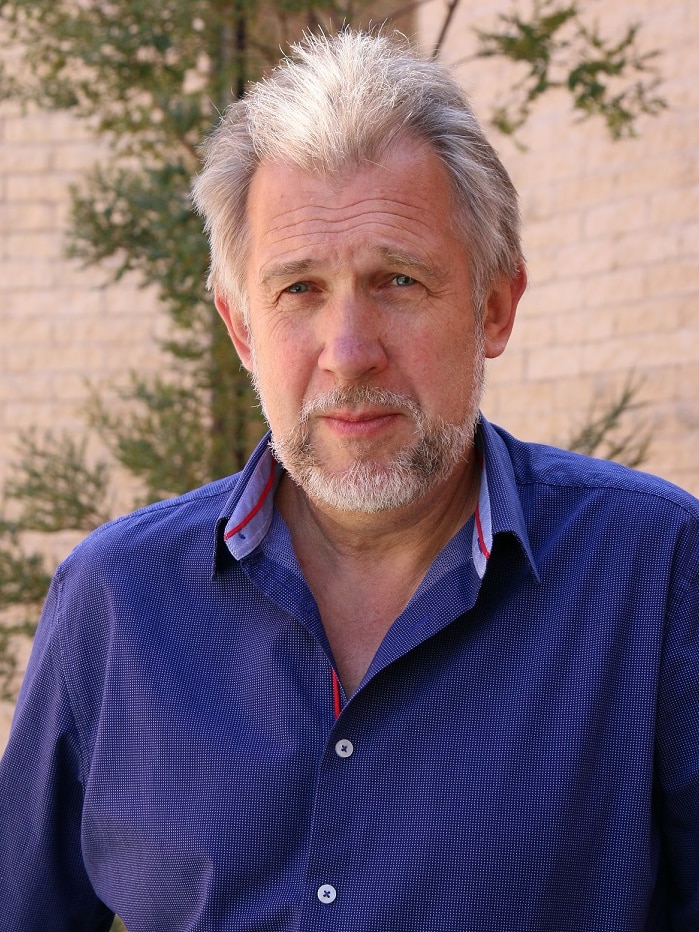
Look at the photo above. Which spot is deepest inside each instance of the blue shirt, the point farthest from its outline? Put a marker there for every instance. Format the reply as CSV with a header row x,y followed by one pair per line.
x,y
521,756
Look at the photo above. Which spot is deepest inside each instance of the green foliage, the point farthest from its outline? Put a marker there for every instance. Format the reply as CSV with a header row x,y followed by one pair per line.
x,y
9,633
55,486
605,434
141,219
163,440
23,577
23,584
558,50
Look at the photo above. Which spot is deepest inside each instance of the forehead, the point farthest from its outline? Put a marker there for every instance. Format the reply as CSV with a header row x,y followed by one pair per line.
x,y
402,202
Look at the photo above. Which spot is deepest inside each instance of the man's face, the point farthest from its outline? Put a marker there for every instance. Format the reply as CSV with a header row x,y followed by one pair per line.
x,y
362,339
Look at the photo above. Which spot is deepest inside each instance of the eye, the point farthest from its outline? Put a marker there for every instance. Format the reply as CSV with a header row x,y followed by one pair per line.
x,y
403,280
297,288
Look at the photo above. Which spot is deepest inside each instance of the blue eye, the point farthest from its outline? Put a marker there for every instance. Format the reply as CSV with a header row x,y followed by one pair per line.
x,y
403,280
298,288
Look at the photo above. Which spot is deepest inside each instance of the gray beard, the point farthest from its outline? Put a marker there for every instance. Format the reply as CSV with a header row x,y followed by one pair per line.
x,y
369,486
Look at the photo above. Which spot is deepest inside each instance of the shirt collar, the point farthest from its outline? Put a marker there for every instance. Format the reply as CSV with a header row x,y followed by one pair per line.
x,y
506,515
247,516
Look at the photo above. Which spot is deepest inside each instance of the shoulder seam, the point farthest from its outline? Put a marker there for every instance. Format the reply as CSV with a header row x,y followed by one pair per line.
x,y
653,493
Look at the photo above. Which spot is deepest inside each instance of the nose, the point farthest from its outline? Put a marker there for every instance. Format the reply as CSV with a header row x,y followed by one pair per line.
x,y
352,339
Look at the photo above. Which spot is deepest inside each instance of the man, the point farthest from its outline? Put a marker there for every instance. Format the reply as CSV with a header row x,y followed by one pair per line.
x,y
403,672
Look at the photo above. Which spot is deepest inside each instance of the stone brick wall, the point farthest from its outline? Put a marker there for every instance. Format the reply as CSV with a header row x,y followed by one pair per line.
x,y
60,327
611,233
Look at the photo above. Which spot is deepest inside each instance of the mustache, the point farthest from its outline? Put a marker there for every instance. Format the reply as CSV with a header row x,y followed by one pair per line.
x,y
354,396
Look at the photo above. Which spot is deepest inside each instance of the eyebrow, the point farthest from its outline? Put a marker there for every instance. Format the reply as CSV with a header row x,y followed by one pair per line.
x,y
406,259
283,270
436,275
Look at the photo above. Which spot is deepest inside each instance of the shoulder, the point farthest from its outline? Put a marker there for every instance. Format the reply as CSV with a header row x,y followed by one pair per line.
x,y
549,471
172,529
126,584
575,508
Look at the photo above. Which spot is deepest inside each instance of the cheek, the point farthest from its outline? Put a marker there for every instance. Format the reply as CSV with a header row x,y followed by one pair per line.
x,y
434,361
449,375
280,378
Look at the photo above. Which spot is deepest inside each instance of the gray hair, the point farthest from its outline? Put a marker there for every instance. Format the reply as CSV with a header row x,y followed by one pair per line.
x,y
334,104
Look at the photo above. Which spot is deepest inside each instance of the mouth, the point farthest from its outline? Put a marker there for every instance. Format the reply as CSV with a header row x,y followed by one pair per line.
x,y
359,424
360,413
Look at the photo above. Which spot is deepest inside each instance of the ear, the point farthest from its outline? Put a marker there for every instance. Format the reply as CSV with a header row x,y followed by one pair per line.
x,y
237,330
500,309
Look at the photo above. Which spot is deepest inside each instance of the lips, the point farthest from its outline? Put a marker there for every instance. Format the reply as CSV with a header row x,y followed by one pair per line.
x,y
359,423
353,416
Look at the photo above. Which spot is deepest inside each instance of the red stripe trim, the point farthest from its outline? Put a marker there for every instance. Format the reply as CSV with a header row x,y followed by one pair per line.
x,y
248,518
336,695
481,539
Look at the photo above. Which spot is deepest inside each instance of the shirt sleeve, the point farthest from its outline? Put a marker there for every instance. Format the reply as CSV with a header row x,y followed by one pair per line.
x,y
43,883
677,743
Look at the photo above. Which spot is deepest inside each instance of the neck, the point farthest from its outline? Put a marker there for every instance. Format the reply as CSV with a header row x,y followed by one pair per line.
x,y
415,532
364,568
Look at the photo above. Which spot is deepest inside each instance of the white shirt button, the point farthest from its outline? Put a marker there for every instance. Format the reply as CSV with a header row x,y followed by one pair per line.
x,y
344,748
327,893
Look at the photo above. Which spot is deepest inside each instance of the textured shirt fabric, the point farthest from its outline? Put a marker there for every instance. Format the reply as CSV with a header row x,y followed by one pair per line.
x,y
521,756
